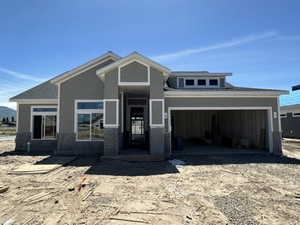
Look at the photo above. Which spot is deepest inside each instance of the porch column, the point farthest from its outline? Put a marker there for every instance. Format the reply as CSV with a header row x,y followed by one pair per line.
x,y
111,114
157,126
156,114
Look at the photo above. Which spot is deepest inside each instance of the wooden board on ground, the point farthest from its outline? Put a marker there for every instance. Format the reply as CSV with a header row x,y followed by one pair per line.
x,y
41,167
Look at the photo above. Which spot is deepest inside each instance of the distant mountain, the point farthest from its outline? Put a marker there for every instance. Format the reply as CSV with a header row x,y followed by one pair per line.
x,y
7,112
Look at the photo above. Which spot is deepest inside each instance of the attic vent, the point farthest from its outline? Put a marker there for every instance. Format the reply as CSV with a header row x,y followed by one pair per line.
x,y
137,101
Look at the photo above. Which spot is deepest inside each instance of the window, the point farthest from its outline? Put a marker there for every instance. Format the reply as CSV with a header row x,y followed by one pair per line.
x,y
283,115
296,114
213,82
204,82
189,82
43,122
201,82
89,120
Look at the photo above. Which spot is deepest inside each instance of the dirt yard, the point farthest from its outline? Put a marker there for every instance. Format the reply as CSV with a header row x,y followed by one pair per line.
x,y
238,189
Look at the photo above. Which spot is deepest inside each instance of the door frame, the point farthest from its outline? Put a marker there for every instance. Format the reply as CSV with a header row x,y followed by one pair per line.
x,y
127,119
268,110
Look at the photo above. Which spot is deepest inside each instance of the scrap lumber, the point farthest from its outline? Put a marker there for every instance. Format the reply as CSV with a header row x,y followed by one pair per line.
x,y
42,167
128,220
3,189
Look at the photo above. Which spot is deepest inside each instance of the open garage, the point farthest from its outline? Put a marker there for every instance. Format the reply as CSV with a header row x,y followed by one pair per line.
x,y
195,130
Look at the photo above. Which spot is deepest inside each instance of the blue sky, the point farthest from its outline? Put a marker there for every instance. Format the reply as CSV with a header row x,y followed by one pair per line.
x,y
259,41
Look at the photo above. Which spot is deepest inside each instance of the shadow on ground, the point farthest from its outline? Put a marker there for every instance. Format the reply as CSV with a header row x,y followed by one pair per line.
x,y
124,168
238,159
96,166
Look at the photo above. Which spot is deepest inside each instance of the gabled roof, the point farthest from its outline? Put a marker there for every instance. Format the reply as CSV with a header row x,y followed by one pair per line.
x,y
131,57
45,90
48,90
77,70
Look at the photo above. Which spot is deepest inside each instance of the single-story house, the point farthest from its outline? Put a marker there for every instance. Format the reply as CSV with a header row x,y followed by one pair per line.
x,y
290,114
114,105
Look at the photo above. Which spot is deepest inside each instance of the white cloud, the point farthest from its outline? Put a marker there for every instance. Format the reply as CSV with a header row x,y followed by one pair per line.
x,y
21,75
232,43
12,105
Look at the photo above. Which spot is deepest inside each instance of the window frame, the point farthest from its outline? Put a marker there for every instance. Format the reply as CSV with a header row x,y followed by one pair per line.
x,y
43,114
86,111
189,85
283,115
296,115
207,85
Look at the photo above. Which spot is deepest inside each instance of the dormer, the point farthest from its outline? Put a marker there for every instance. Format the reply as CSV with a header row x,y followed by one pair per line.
x,y
197,79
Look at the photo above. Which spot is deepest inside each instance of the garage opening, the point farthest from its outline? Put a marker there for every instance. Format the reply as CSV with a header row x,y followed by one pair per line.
x,y
205,131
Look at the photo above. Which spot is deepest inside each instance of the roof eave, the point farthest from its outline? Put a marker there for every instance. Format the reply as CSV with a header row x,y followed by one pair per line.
x,y
34,101
166,71
224,93
64,76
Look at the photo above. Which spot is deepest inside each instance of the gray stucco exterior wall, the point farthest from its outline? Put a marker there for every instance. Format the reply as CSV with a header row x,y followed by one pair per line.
x,y
86,86
23,135
111,108
290,126
134,72
157,112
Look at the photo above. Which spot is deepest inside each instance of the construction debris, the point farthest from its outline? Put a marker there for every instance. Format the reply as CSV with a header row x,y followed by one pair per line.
x,y
3,189
212,190
45,166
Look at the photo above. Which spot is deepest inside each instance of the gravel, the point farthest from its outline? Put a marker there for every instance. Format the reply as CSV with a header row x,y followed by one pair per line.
x,y
237,208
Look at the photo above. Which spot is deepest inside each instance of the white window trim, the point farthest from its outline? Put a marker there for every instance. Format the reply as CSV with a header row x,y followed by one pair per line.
x,y
111,125
283,115
86,111
32,113
196,82
268,109
121,83
296,115
162,124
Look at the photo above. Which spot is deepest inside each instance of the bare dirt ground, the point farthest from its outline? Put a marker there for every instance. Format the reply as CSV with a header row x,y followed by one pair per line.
x,y
239,189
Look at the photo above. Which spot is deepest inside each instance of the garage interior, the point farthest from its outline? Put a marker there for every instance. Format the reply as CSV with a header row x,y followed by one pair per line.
x,y
209,131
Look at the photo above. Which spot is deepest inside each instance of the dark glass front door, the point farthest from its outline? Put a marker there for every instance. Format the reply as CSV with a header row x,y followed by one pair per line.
x,y
137,127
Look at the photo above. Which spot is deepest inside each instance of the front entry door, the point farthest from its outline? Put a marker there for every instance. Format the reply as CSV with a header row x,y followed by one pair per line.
x,y
137,127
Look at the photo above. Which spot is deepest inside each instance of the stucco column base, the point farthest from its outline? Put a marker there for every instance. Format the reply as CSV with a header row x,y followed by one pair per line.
x,y
156,141
111,141
277,145
21,140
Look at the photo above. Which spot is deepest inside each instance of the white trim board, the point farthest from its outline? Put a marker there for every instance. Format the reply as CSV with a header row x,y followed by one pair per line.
x,y
17,119
58,109
116,125
221,94
268,109
84,67
132,56
36,101
293,114
162,124
279,115
121,83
